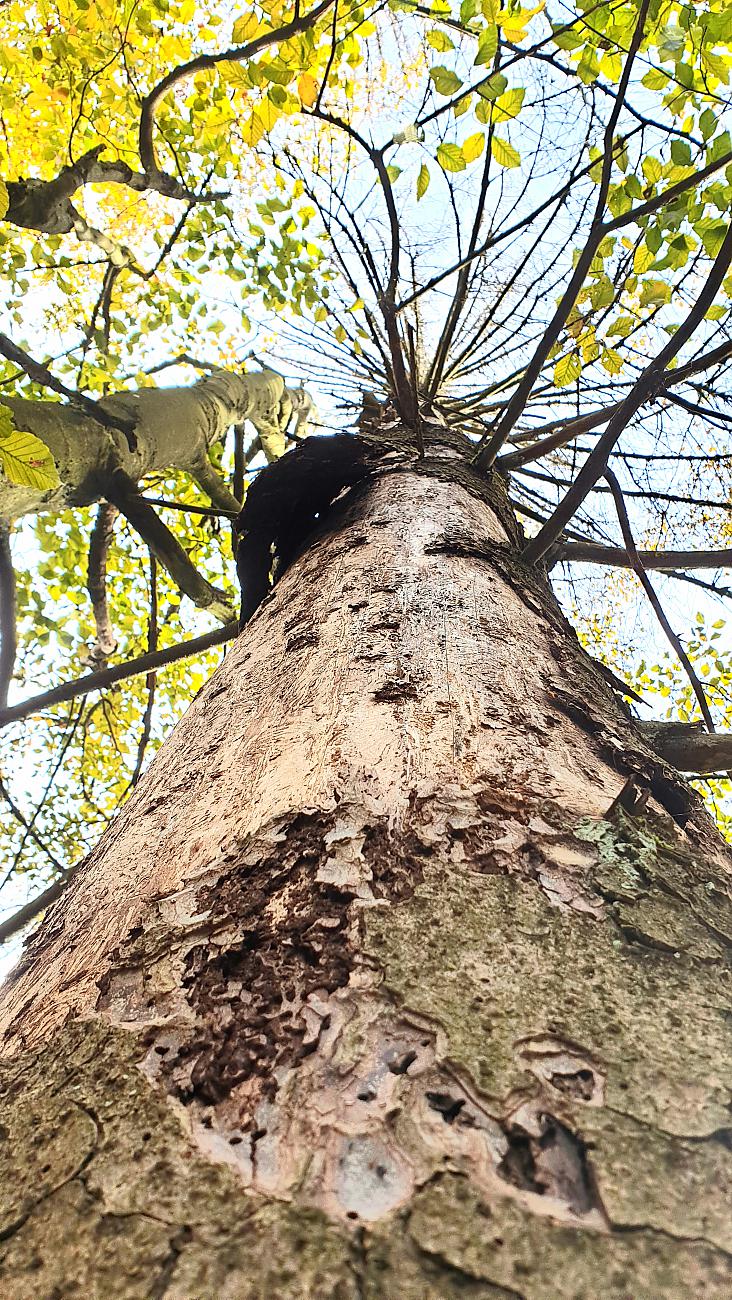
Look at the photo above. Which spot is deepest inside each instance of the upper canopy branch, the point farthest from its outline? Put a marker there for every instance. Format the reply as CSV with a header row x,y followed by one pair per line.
x,y
46,205
237,54
558,433
648,385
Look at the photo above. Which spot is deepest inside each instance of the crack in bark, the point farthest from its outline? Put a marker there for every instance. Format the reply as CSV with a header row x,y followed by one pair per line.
x,y
76,1175
178,1242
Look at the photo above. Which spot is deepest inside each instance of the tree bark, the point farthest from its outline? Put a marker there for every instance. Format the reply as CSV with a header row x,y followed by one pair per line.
x,y
403,973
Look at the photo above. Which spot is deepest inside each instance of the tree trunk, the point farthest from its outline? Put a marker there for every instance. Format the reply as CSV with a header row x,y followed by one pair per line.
x,y
404,972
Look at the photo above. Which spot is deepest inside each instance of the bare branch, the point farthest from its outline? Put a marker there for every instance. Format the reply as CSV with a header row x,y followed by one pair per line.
x,y
28,827
106,677
662,561
8,632
636,565
23,917
152,645
165,547
487,453
96,581
649,384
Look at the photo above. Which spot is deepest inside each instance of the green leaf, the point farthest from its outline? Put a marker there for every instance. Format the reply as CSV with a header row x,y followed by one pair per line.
x,y
450,157
707,123
655,79
24,459
493,86
602,292
504,153
652,170
423,181
567,369
445,81
712,235
621,327
681,152
611,361
487,47
439,40
569,40
277,72
654,293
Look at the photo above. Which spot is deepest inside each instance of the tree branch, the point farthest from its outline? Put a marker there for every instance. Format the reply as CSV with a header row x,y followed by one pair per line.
x,y
30,911
649,384
8,632
202,62
165,547
558,433
488,452
637,567
151,679
105,677
662,561
96,581
30,830
687,747
40,374
46,205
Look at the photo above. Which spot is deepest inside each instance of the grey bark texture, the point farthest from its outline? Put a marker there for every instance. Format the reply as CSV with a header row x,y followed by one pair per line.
x,y
404,972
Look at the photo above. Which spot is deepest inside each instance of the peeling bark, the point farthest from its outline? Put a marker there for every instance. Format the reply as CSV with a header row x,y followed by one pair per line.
x,y
376,987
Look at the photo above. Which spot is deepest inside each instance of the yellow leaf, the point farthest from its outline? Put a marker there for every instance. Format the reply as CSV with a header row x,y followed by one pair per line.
x,y
253,129
24,459
4,202
245,29
504,153
509,105
268,114
567,370
473,146
307,88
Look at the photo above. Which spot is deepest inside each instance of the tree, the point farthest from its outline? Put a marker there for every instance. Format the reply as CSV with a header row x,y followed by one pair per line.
x,y
404,970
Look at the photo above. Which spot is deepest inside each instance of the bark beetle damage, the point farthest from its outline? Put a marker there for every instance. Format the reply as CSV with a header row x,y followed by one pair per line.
x,y
551,1162
293,914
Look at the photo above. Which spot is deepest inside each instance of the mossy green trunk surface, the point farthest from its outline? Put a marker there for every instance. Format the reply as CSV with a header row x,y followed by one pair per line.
x,y
404,973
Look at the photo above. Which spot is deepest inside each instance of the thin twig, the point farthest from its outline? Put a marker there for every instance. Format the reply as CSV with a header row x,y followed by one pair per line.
x,y
636,565
649,383
152,645
105,677
8,629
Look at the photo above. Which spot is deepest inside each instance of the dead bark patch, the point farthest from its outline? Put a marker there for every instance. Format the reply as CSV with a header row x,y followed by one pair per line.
x,y
248,996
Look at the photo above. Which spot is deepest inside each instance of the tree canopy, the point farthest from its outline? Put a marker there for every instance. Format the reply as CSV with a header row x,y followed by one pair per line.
x,y
221,231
